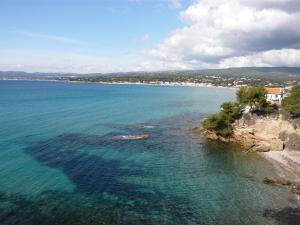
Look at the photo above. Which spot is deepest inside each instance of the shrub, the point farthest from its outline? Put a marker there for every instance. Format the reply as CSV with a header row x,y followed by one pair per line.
x,y
270,109
215,122
218,123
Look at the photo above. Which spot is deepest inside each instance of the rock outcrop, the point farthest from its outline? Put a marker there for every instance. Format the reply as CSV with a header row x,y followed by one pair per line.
x,y
262,134
267,134
211,135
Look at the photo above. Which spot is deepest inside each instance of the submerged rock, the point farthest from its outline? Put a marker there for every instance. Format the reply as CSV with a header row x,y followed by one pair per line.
x,y
248,176
135,136
294,186
276,181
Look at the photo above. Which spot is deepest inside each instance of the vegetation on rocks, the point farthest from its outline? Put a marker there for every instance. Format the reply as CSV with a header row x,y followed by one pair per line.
x,y
253,97
218,123
291,104
222,122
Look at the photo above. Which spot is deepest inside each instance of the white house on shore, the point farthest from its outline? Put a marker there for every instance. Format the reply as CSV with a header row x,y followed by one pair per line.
x,y
274,94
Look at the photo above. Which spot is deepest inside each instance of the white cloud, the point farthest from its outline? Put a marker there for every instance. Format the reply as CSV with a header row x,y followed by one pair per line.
x,y
220,32
283,57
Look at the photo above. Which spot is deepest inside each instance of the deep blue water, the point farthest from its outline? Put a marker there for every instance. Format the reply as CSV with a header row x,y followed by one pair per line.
x,y
62,160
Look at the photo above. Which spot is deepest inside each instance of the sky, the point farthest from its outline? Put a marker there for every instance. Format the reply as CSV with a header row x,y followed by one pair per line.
x,y
92,36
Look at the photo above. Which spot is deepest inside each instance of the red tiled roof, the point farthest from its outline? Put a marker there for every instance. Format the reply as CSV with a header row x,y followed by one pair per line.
x,y
275,90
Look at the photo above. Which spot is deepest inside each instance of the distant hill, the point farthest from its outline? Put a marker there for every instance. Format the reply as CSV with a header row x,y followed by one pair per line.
x,y
256,70
250,71
36,75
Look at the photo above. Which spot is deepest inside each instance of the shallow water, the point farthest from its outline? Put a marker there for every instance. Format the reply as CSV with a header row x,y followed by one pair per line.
x,y
61,161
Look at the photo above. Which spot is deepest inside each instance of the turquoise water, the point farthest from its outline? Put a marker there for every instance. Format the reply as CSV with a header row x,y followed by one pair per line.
x,y
62,160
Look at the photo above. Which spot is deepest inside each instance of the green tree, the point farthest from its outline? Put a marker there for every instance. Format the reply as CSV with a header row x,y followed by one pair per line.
x,y
291,104
241,95
218,123
222,121
254,96
231,109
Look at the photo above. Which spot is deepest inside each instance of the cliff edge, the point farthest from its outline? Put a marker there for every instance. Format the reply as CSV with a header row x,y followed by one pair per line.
x,y
262,134
267,134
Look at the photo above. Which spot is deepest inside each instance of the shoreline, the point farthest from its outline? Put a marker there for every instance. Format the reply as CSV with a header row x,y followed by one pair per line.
x,y
272,138
168,84
285,163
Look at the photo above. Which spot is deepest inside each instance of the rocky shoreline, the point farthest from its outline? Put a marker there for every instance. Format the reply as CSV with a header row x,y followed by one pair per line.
x,y
262,134
275,139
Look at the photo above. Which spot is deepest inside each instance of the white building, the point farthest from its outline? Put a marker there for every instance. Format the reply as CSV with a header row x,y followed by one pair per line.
x,y
274,94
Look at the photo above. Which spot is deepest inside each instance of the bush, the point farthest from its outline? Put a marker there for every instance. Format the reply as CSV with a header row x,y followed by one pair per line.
x,y
221,122
215,122
270,109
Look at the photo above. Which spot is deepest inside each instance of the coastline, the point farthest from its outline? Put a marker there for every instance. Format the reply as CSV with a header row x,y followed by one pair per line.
x,y
274,140
285,163
172,84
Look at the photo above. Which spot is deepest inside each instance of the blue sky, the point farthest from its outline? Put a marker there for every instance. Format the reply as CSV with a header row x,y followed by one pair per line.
x,y
117,30
123,35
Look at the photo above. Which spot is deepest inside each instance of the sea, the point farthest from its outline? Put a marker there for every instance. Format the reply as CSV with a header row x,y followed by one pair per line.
x,y
65,159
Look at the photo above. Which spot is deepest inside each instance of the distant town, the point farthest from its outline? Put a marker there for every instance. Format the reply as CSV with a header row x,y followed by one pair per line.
x,y
232,77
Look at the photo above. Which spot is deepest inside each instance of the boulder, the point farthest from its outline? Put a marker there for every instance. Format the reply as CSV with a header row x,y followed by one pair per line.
x,y
212,135
295,188
209,134
293,141
251,131
276,145
262,146
245,139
